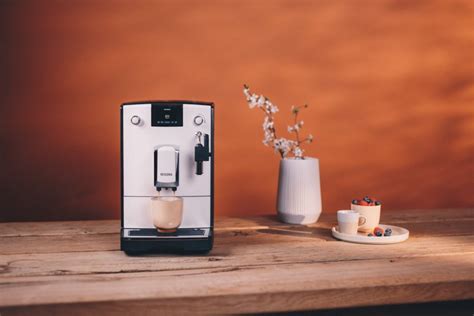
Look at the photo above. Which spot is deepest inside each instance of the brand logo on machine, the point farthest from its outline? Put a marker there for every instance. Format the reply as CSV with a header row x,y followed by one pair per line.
x,y
165,174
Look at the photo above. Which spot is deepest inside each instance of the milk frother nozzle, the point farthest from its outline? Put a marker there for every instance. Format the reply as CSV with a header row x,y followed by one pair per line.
x,y
201,152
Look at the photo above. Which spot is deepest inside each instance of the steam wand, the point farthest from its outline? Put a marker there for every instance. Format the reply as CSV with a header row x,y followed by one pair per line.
x,y
201,152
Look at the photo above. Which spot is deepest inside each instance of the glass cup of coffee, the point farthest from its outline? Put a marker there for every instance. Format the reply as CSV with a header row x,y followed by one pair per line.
x,y
349,221
167,213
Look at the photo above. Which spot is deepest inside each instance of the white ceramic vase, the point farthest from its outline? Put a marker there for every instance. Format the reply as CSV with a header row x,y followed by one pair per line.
x,y
299,191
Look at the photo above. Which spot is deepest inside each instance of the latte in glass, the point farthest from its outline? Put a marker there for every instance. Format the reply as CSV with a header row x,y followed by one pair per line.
x,y
167,213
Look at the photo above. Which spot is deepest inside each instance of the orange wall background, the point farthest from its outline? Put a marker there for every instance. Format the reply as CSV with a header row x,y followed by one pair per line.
x,y
390,86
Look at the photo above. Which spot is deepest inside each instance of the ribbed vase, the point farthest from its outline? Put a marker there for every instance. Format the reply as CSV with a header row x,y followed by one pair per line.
x,y
299,191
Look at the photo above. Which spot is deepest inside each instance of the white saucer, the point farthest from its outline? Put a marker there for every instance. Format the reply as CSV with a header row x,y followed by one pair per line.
x,y
399,234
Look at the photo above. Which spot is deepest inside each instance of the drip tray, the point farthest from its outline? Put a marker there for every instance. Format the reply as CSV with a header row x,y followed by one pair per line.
x,y
153,233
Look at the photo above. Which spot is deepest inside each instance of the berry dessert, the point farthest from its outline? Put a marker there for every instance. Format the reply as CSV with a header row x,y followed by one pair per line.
x,y
369,209
366,201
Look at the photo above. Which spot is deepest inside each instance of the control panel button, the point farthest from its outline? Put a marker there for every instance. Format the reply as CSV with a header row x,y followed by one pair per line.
x,y
198,120
135,120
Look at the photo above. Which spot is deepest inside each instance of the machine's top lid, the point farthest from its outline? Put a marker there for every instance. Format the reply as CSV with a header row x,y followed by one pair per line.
x,y
204,103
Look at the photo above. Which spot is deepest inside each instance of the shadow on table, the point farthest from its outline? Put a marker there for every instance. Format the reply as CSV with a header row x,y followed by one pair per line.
x,y
319,230
301,232
267,220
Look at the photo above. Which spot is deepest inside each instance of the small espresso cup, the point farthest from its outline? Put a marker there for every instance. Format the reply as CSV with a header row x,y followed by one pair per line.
x,y
167,213
349,221
371,213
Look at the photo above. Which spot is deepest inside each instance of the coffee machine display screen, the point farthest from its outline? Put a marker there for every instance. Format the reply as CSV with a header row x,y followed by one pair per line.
x,y
167,115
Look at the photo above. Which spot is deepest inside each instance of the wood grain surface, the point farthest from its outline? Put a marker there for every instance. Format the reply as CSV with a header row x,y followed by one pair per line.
x,y
257,265
390,84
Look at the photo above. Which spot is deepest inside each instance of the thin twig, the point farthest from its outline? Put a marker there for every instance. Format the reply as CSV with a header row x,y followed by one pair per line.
x,y
295,127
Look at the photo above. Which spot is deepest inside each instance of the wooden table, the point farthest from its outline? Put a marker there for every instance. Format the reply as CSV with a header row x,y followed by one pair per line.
x,y
257,265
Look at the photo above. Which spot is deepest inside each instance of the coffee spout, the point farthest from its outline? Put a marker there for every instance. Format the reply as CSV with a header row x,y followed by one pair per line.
x,y
166,168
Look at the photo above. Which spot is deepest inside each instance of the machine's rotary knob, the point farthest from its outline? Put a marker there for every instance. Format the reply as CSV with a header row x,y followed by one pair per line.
x,y
198,120
135,120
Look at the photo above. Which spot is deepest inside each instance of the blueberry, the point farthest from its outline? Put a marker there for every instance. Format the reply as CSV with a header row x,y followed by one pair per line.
x,y
367,199
378,203
388,232
370,235
355,202
378,233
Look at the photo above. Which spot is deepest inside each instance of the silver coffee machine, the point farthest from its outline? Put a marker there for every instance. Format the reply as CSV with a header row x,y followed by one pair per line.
x,y
167,149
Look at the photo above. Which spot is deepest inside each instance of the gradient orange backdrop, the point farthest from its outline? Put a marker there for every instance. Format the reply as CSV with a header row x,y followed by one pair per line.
x,y
390,86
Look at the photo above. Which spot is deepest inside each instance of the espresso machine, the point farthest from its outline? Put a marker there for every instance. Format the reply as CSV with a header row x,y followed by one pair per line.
x,y
167,149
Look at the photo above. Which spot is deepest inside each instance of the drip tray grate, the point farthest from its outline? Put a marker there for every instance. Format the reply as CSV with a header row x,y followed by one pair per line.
x,y
153,233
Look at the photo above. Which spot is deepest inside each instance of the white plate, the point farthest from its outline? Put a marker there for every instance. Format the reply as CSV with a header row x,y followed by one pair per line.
x,y
399,234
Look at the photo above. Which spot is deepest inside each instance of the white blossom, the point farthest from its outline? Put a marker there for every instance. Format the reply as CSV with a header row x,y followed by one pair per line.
x,y
272,108
252,98
268,130
284,145
253,101
261,101
268,137
298,152
247,92
267,123
293,128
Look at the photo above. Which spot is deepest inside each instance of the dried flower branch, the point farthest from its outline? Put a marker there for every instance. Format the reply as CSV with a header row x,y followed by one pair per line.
x,y
281,145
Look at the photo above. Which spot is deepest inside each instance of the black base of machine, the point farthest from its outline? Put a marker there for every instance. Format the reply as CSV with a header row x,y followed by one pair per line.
x,y
137,246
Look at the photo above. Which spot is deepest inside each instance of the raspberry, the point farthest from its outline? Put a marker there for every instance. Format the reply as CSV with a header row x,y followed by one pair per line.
x,y
378,231
364,203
